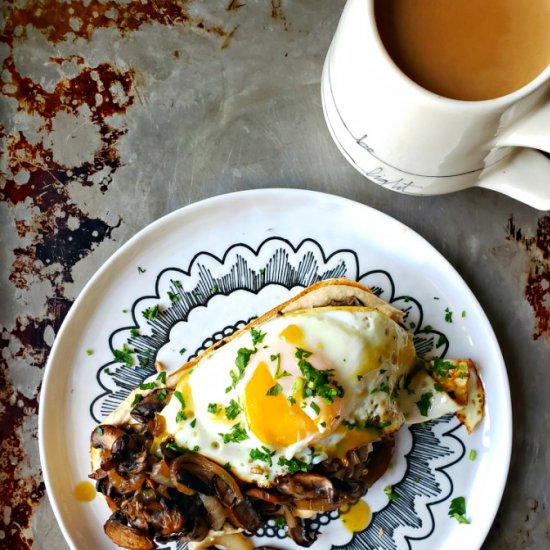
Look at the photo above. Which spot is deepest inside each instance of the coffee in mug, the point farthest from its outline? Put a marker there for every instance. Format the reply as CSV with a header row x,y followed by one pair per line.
x,y
469,50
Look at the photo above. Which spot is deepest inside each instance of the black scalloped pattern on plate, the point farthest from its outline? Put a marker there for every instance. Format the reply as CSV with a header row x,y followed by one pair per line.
x,y
292,266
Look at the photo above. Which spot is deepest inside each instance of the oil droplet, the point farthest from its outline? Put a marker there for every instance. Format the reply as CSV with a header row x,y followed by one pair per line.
x,y
85,491
357,517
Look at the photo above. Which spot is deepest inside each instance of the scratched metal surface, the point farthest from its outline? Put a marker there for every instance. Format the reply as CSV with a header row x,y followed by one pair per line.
x,y
115,113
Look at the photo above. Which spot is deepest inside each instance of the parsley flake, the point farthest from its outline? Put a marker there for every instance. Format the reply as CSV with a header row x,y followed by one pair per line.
x,y
162,377
390,493
232,410
275,390
181,416
257,336
473,454
442,368
294,465
151,312
448,315
89,352
425,403
264,454
315,407
137,398
214,408
147,386
457,510
141,269
124,355
178,395
236,435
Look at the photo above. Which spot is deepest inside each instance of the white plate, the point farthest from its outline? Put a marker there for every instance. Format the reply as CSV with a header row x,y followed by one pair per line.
x,y
237,255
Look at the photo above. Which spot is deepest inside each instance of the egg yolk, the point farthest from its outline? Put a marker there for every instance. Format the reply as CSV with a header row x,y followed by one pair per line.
x,y
272,418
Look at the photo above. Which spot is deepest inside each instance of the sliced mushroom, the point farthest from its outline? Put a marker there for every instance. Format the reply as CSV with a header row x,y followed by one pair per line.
x,y
266,496
151,404
297,530
113,442
123,485
126,536
136,463
244,515
105,436
308,485
216,511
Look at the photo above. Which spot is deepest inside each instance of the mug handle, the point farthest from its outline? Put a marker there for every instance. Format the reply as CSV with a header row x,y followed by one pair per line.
x,y
525,175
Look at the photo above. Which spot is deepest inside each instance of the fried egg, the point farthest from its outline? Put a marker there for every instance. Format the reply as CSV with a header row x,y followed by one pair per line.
x,y
297,389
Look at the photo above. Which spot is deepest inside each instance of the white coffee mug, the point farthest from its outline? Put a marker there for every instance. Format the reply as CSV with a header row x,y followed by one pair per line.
x,y
410,140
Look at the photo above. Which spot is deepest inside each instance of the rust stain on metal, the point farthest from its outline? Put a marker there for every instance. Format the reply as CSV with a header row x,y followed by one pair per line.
x,y
234,5
58,20
97,88
537,288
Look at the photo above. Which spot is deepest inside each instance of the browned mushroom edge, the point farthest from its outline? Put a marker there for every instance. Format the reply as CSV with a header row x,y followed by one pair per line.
x,y
183,495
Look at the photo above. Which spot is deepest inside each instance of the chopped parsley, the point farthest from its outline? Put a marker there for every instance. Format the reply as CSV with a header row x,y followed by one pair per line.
x,y
261,271
448,315
349,425
162,377
182,351
243,357
173,446
181,416
441,367
278,372
280,522
291,400
473,454
457,510
438,387
227,466
264,454
178,395
390,493
124,355
463,314
315,407
319,382
214,408
424,403
232,410
236,435
257,336
193,423
89,352
428,328
161,395
134,332
214,289
125,310
176,283
441,341
173,297
294,465
151,312
147,386
141,269
137,398
275,390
